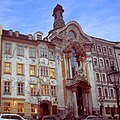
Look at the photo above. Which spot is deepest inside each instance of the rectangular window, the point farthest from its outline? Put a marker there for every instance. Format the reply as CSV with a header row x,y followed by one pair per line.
x,y
45,90
20,50
21,107
53,90
6,106
20,69
8,48
20,88
7,67
51,55
33,108
32,52
32,70
33,88
44,71
43,52
6,87
52,73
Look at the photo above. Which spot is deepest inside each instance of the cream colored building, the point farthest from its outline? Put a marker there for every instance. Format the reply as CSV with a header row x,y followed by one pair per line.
x,y
65,71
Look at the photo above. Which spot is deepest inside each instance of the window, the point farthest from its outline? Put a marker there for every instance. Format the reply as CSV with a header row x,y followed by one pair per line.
x,y
93,48
99,49
110,51
111,92
45,90
51,55
7,67
52,73
20,50
107,109
106,93
6,106
7,87
21,107
8,48
53,90
111,62
33,88
99,92
20,88
72,34
97,77
43,52
103,78
104,50
95,61
101,62
33,108
44,71
32,52
20,69
107,63
32,70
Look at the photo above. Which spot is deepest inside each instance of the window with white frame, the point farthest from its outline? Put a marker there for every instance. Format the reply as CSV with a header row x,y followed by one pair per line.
x,y
21,107
7,48
103,78
32,52
111,93
6,106
20,88
97,77
95,61
43,52
7,67
53,90
20,50
33,88
110,51
44,71
104,50
45,90
101,63
99,49
7,87
106,93
99,92
93,48
107,63
32,70
20,69
51,55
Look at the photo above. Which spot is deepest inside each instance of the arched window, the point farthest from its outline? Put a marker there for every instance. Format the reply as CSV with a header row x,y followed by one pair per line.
x,y
106,93
104,50
97,77
101,62
72,34
99,92
103,78
99,49
111,92
95,61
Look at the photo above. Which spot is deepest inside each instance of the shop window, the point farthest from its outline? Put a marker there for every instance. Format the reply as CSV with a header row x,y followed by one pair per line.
x,y
33,88
21,107
20,68
33,108
7,87
32,53
54,109
45,90
20,50
107,109
6,106
8,48
32,70
7,67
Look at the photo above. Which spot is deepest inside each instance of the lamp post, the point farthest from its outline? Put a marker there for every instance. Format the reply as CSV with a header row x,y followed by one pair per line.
x,y
114,77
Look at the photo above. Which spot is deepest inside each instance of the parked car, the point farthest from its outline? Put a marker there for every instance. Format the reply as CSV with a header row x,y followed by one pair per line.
x,y
50,117
11,117
93,117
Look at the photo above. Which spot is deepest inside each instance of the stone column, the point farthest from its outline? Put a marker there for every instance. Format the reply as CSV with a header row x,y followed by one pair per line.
x,y
75,105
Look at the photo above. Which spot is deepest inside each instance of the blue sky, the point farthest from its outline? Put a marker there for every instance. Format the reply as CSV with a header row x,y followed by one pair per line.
x,y
98,18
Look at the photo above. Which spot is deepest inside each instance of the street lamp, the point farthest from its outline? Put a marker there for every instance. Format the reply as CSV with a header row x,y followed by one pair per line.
x,y
114,77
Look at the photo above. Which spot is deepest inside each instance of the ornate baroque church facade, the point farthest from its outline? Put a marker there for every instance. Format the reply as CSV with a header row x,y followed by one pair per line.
x,y
66,70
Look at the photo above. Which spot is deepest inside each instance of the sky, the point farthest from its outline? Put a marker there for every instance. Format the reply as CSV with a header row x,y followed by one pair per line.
x,y
98,18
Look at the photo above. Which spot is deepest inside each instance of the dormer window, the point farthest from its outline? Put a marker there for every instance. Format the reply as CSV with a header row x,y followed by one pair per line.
x,y
30,37
10,32
17,34
72,34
